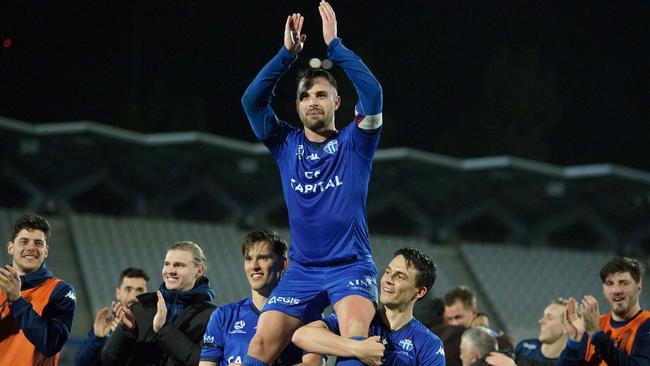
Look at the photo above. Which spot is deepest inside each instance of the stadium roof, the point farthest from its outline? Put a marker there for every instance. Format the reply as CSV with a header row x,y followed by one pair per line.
x,y
90,167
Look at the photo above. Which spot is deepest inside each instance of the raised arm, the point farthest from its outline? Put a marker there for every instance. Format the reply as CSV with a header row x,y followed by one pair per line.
x,y
316,338
257,98
367,86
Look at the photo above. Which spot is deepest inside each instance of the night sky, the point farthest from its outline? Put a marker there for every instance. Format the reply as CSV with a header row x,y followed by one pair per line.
x,y
566,82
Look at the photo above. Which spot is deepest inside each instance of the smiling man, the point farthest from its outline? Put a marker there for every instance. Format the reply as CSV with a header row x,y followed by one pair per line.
x,y
133,282
36,308
165,327
397,337
619,338
546,348
232,326
325,172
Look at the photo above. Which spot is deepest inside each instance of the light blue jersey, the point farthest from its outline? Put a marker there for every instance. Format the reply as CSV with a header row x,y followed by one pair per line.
x,y
413,344
229,332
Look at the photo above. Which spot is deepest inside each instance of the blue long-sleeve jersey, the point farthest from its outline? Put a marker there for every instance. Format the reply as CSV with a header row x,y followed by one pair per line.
x,y
609,350
325,185
229,332
413,344
529,353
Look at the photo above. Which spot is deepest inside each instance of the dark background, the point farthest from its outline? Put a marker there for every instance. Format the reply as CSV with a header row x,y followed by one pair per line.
x,y
565,82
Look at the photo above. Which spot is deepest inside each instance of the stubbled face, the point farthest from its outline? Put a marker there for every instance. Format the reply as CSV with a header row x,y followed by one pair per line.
x,y
317,104
459,314
398,283
263,268
551,327
130,288
467,355
622,294
179,271
28,250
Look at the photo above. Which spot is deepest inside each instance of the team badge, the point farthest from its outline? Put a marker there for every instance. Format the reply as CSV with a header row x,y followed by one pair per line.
x,y
406,344
331,147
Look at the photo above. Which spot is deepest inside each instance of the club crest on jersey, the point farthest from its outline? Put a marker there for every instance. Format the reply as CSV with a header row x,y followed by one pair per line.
x,y
406,344
238,327
331,147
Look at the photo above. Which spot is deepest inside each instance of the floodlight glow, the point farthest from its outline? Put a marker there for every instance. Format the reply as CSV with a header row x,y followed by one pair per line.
x,y
314,62
327,64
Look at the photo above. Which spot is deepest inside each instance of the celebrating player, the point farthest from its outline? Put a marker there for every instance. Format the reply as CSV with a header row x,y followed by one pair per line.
x,y
325,174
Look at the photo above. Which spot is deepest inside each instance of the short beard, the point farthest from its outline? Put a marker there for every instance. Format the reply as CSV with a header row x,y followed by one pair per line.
x,y
316,126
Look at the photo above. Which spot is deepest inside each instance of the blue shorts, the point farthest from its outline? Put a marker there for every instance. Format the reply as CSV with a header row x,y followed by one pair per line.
x,y
305,291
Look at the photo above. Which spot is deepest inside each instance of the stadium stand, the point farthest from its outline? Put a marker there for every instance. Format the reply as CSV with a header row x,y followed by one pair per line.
x,y
89,167
119,198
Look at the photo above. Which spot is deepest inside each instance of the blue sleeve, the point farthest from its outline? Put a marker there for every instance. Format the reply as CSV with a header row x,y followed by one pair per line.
x,y
574,353
50,331
367,86
332,323
89,352
213,341
257,98
432,354
640,355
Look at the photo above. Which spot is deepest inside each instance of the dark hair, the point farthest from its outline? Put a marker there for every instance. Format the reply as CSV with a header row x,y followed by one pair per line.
x,y
427,271
463,294
133,272
621,264
307,76
275,242
31,222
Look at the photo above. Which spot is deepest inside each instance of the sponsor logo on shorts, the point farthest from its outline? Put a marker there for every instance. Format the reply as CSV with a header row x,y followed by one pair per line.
x,y
366,284
284,300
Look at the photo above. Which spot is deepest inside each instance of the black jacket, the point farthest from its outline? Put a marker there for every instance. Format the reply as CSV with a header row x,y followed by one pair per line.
x,y
177,342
